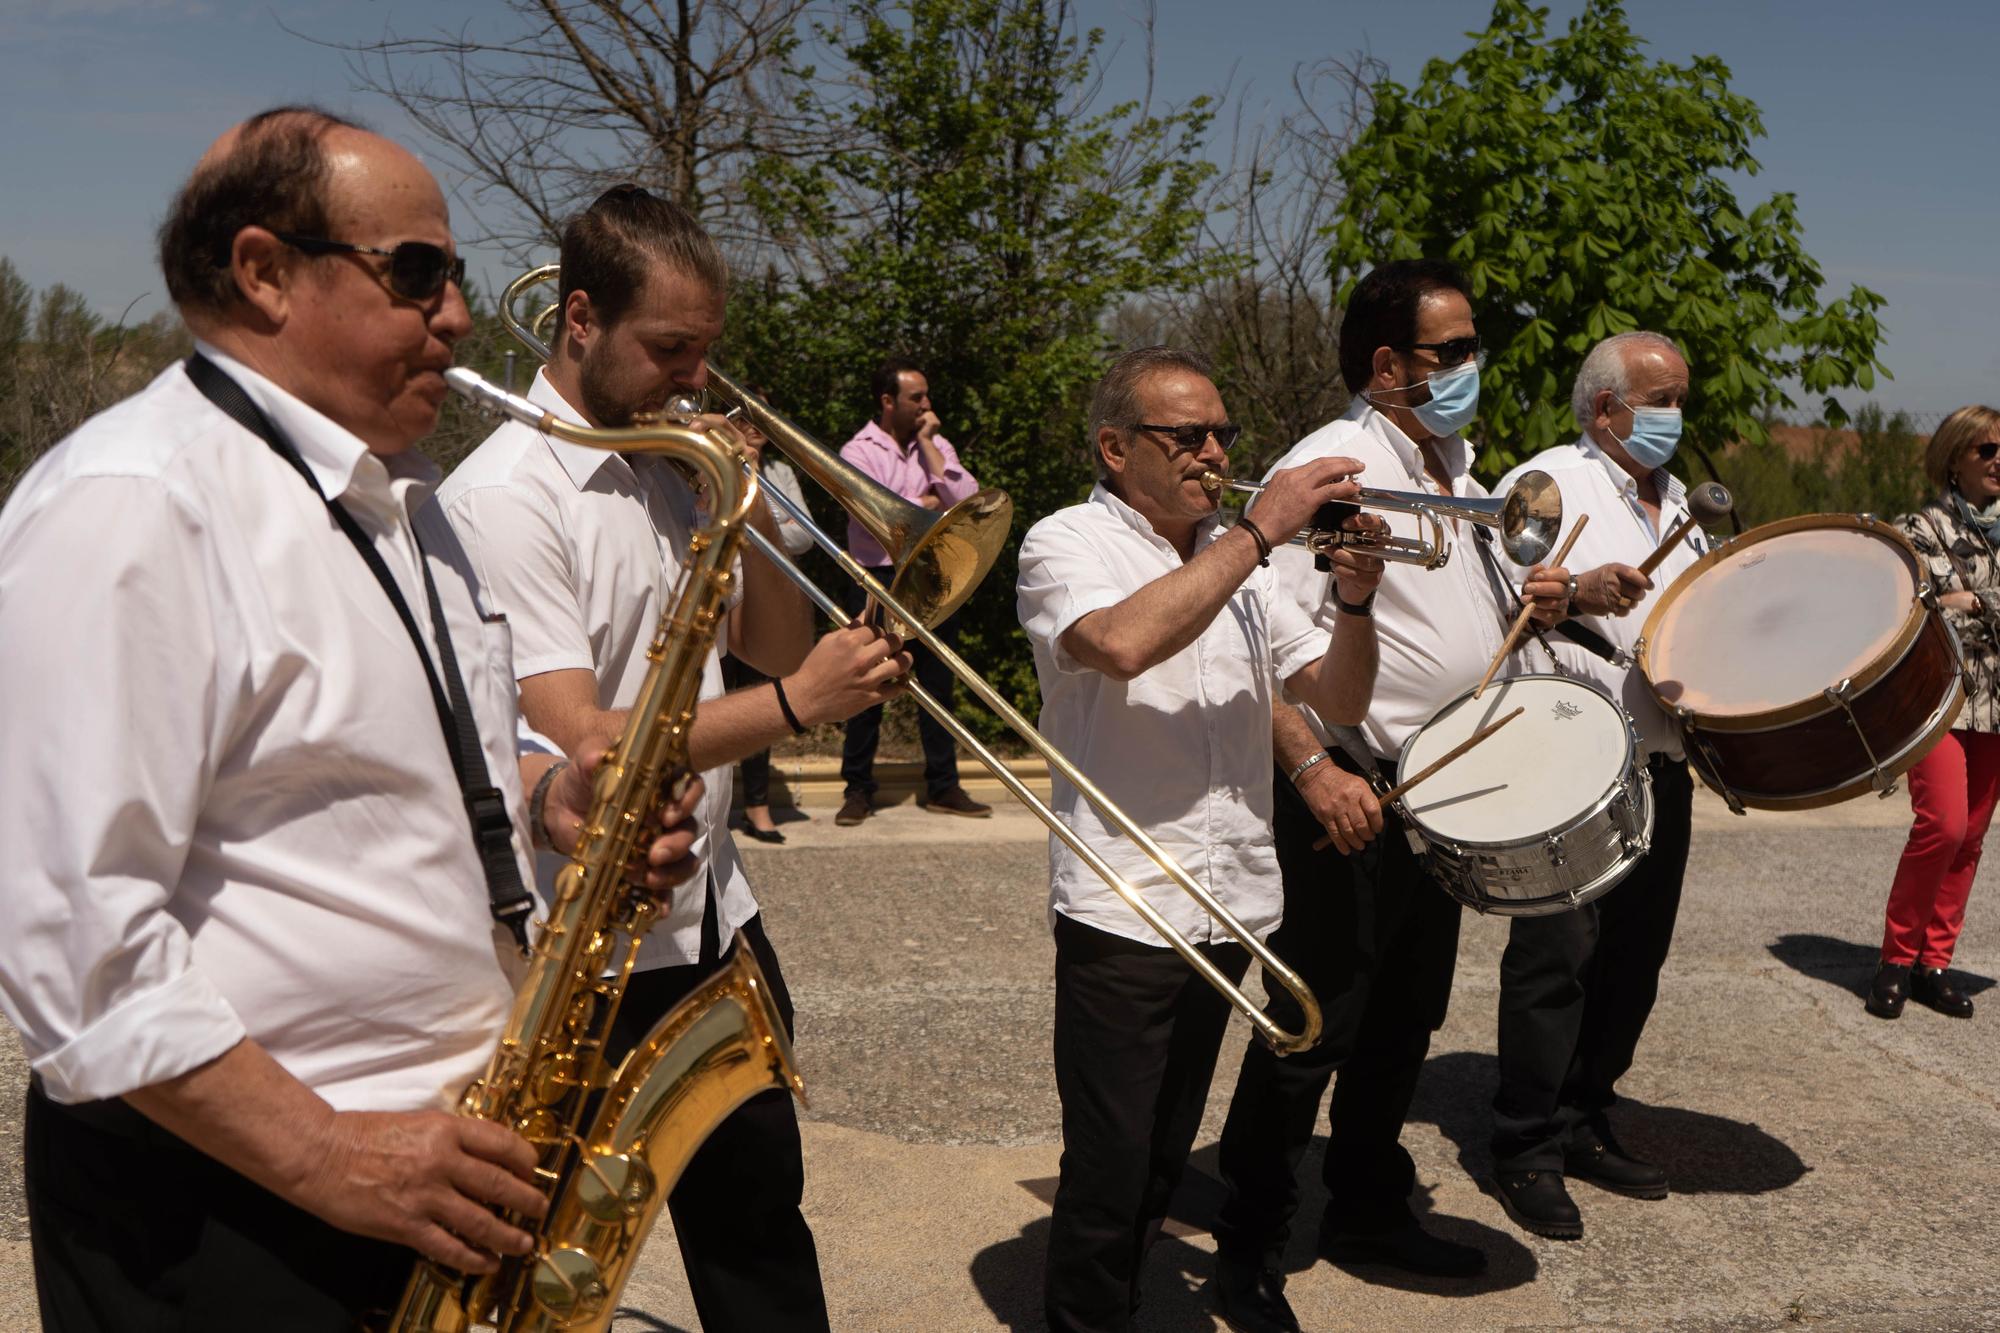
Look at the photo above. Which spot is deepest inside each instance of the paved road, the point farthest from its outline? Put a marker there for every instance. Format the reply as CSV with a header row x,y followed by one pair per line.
x,y
1831,1171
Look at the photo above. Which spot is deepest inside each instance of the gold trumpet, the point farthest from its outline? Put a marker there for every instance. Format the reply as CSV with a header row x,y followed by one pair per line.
x,y
1528,517
899,517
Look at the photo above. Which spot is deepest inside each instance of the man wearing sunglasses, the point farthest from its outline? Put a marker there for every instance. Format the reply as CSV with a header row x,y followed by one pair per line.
x,y
582,548
1576,987
1161,641
266,816
1363,924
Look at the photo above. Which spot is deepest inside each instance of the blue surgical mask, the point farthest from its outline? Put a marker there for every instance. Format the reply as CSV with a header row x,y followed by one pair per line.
x,y
1454,399
1656,433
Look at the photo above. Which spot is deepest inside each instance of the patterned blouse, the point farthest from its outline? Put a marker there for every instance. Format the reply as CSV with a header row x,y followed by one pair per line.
x,y
1938,522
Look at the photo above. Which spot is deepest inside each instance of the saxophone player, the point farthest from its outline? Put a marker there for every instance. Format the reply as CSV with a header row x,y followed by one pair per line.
x,y
580,548
252,940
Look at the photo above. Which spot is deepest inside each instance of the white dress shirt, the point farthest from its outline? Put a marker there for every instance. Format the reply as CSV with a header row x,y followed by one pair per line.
x,y
1619,530
1436,629
227,803
1184,748
582,548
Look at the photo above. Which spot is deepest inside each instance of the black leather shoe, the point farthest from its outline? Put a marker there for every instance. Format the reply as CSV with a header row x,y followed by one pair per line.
x,y
1251,1299
1608,1166
1928,987
769,835
853,810
1891,988
1538,1202
1408,1247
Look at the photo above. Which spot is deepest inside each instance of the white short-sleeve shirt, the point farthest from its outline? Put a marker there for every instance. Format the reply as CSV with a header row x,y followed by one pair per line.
x,y
1184,748
582,548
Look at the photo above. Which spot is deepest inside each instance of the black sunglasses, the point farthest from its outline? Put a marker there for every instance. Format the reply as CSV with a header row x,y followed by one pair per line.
x,y
1191,438
1452,351
417,269
1988,451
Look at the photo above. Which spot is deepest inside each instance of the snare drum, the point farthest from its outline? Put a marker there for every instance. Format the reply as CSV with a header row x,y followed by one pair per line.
x,y
1549,814
1804,663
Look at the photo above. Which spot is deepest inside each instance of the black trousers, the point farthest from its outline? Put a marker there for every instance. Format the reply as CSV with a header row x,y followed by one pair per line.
x,y
864,729
132,1228
1136,1035
1575,992
755,770
750,1260
1376,940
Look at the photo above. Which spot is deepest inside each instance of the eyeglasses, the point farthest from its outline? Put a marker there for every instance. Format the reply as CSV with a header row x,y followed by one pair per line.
x,y
1987,452
418,270
1451,351
1191,438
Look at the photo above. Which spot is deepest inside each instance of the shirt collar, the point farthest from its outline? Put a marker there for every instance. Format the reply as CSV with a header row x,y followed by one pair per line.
x,y
1672,491
1452,449
1205,530
882,439
338,460
580,462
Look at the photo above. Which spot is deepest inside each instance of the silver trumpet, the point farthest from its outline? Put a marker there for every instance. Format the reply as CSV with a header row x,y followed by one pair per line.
x,y
1527,516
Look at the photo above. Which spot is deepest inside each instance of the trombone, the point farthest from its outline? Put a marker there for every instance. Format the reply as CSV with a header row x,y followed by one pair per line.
x,y
903,533
1528,516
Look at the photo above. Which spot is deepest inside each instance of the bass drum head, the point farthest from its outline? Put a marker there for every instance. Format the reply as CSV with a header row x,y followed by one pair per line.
x,y
1543,771
1778,619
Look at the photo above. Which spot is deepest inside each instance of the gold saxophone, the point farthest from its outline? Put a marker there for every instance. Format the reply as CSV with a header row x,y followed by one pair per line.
x,y
613,1141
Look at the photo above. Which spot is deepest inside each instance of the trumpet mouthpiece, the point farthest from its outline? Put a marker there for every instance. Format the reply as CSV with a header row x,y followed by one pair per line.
x,y
1213,481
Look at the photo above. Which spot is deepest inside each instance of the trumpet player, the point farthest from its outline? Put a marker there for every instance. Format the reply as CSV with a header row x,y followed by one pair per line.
x,y
1161,640
250,938
1372,937
581,548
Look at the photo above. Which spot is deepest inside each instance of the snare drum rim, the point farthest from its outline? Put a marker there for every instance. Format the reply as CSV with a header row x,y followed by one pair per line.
x,y
1812,705
1603,803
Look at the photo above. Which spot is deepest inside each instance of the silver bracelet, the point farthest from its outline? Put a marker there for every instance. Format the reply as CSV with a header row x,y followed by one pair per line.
x,y
538,804
1317,756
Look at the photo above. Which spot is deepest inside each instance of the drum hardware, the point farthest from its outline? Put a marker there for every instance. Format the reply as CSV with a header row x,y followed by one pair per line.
x,y
1521,620
1528,516
1842,696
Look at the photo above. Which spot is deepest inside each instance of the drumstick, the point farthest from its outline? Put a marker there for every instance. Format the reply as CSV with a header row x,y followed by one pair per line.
x,y
1708,503
1396,791
1514,631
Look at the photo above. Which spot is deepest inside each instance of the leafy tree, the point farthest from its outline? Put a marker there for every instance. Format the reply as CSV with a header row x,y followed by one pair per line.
x,y
977,215
1875,468
1582,187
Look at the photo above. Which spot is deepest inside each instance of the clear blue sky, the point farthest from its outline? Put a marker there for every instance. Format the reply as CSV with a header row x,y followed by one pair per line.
x,y
1879,119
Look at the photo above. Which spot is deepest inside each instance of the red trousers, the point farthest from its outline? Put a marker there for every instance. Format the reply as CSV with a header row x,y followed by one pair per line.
x,y
1952,791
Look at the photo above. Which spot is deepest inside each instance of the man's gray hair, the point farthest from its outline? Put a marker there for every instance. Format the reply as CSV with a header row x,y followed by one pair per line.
x,y
1116,402
1605,369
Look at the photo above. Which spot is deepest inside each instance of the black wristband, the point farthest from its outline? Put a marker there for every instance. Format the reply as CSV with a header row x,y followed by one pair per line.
x,y
1256,535
785,707
1364,607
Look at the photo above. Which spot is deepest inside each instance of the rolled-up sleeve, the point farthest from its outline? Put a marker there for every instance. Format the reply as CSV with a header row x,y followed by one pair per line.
x,y
111,725
524,570
954,483
1297,641
1061,581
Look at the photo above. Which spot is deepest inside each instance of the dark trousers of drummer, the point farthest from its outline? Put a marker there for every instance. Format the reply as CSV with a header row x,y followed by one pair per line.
x,y
1376,940
1575,992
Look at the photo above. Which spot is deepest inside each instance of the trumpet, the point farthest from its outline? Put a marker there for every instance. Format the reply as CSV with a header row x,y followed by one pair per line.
x,y
794,442
1528,517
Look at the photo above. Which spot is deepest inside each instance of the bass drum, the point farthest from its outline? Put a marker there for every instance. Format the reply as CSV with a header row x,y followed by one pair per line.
x,y
1804,663
1550,813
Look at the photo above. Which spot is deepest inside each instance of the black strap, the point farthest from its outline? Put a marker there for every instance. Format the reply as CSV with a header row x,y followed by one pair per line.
x,y
485,804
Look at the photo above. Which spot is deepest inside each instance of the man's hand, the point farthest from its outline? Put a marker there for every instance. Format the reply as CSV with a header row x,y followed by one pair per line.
x,y
665,861
1344,803
847,672
425,1179
1358,574
927,426
1547,594
930,501
1610,590
1291,498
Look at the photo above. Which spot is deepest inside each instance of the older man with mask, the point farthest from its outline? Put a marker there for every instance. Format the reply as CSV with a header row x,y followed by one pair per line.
x,y
1576,987
262,866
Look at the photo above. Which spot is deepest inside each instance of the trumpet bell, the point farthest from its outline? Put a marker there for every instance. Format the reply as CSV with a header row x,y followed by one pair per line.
x,y
1531,518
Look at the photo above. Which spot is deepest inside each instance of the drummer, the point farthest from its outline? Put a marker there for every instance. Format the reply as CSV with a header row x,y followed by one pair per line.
x,y
1576,987
1373,937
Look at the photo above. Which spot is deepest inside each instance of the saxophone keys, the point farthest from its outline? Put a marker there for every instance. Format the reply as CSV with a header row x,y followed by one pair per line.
x,y
568,1285
612,1187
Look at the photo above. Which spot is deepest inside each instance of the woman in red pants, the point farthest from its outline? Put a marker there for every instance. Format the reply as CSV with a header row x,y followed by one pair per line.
x,y
1953,789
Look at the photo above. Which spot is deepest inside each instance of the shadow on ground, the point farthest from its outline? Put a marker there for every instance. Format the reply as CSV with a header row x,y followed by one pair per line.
x,y
1848,965
631,1319
1702,1153
1008,1277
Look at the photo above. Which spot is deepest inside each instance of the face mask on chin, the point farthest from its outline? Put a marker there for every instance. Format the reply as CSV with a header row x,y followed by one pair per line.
x,y
1454,399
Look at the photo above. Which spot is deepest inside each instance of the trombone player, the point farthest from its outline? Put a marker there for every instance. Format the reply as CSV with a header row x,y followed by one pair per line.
x,y
580,548
1161,640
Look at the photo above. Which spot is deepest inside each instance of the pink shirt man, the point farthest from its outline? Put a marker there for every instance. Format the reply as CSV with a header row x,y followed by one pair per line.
x,y
901,468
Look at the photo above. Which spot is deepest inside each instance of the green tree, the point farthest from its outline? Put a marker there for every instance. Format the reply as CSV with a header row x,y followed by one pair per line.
x,y
1583,189
978,216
